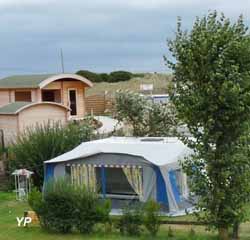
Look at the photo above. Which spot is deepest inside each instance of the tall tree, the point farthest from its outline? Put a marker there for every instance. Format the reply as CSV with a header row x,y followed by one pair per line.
x,y
212,97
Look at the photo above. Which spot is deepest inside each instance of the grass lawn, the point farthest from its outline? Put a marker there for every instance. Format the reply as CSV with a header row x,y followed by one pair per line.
x,y
160,82
10,209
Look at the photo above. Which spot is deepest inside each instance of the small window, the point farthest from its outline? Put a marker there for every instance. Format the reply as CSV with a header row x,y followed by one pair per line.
x,y
23,96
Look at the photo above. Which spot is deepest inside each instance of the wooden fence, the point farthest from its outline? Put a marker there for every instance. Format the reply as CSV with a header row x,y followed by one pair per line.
x,y
99,104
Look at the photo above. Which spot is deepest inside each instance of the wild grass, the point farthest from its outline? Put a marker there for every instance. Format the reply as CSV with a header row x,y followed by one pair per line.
x,y
160,82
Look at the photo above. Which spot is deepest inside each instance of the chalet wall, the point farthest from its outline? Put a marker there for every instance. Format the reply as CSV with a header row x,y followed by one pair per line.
x,y
4,97
41,114
8,123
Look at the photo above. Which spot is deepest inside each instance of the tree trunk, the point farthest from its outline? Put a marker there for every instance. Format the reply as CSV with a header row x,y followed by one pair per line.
x,y
223,233
236,231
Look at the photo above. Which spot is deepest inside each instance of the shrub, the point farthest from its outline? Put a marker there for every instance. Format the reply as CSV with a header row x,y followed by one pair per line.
x,y
151,217
35,199
130,222
119,76
94,77
145,117
116,76
44,142
59,206
105,77
170,232
90,210
65,207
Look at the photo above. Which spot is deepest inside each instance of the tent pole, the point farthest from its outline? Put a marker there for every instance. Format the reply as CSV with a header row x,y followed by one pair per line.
x,y
103,177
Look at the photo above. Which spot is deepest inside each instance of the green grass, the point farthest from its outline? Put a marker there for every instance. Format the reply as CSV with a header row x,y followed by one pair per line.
x,y
160,82
10,209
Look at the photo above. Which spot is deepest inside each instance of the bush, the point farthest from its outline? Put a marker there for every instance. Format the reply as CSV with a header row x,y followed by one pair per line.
x,y
145,117
151,217
35,200
116,76
130,222
170,232
59,206
90,210
65,207
94,77
120,76
44,142
105,77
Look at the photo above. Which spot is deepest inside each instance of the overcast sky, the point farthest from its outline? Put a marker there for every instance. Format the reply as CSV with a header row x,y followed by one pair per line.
x,y
98,35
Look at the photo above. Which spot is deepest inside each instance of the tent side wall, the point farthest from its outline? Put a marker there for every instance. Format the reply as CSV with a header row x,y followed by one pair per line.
x,y
149,174
157,182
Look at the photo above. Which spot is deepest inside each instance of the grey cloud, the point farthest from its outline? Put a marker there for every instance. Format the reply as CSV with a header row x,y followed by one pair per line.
x,y
98,35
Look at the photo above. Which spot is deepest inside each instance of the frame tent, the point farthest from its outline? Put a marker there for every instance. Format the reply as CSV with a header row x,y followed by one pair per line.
x,y
128,169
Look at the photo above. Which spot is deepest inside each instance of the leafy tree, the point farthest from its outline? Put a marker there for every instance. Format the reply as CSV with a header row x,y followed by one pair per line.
x,y
145,117
105,77
116,76
212,97
119,76
94,77
44,142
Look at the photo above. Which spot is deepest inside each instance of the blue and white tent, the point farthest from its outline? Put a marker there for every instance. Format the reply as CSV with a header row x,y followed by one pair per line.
x,y
128,168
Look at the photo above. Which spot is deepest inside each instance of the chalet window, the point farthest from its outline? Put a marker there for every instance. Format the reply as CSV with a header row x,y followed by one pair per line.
x,y
48,96
22,96
72,102
51,96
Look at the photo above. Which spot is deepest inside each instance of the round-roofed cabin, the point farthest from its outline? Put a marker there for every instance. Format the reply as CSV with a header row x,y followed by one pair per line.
x,y
65,89
26,100
18,116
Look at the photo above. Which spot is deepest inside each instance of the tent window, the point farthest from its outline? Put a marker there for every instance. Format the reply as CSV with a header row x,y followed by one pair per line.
x,y
179,184
116,181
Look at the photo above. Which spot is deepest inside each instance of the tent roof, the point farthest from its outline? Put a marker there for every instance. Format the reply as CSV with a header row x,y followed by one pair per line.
x,y
159,151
